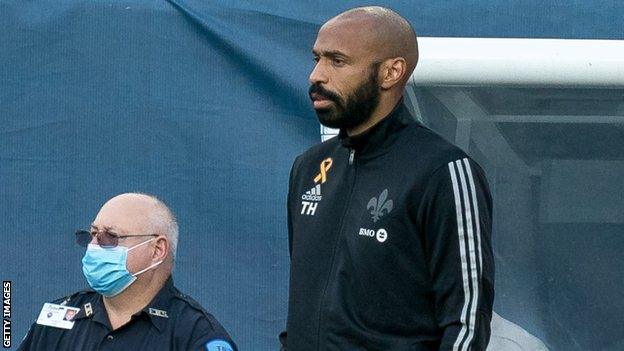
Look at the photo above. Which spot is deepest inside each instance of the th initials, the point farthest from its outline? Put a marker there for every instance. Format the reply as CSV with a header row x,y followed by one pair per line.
x,y
308,208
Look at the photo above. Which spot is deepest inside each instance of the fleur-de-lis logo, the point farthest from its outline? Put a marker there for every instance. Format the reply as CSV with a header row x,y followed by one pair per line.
x,y
378,206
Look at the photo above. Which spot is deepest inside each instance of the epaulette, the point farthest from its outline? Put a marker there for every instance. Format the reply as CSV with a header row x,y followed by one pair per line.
x,y
196,305
65,300
222,341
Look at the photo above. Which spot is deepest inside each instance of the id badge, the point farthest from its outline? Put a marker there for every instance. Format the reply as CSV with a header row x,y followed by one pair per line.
x,y
57,316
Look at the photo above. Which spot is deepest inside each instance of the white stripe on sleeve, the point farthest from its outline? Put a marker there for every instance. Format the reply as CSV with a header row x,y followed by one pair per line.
x,y
471,253
462,251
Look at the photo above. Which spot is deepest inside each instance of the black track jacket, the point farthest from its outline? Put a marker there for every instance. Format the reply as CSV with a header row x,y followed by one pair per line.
x,y
390,247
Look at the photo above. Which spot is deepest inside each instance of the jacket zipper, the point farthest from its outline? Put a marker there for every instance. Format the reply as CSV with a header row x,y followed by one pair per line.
x,y
331,267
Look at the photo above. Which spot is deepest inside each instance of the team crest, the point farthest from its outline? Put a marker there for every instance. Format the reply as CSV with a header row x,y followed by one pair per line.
x,y
380,206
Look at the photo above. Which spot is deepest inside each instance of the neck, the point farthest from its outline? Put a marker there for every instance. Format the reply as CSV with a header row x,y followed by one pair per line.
x,y
383,109
120,308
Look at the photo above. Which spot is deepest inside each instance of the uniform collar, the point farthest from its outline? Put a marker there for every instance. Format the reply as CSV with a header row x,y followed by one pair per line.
x,y
93,308
372,141
157,310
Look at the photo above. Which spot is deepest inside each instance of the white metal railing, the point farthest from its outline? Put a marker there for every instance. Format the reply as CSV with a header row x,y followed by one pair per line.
x,y
520,62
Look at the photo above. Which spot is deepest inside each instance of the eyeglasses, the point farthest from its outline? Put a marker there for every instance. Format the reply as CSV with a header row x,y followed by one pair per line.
x,y
104,237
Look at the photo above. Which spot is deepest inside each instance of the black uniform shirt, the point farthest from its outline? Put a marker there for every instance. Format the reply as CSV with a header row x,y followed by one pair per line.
x,y
172,321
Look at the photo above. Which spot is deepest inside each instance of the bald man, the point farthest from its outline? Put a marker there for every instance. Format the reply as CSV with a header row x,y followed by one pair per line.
x,y
134,305
389,224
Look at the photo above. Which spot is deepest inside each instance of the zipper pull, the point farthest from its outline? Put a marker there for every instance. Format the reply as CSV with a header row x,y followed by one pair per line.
x,y
351,156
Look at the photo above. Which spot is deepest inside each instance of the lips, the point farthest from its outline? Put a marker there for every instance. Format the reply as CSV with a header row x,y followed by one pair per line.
x,y
321,104
320,101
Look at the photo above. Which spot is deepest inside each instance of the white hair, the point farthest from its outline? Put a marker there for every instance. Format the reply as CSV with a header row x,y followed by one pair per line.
x,y
171,231
163,221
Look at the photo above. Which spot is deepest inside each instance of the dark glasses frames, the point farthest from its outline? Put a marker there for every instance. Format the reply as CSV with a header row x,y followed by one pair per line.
x,y
104,237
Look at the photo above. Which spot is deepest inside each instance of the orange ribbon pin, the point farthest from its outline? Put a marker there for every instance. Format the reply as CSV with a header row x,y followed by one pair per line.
x,y
325,166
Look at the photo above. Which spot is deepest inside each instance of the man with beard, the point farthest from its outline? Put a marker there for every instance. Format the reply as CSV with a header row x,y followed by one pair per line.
x,y
389,224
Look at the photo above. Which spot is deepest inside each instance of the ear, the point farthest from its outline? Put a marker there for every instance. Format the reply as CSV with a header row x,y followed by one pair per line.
x,y
161,248
392,71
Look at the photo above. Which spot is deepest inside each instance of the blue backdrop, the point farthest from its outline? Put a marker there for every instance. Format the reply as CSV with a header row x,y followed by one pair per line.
x,y
203,105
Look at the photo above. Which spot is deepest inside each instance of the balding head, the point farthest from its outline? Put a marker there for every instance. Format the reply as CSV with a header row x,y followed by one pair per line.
x,y
382,31
141,213
145,227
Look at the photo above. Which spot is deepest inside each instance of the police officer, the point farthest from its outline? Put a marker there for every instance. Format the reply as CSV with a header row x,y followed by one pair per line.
x,y
134,305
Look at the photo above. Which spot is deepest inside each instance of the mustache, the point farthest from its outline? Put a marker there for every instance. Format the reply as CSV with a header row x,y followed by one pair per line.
x,y
327,94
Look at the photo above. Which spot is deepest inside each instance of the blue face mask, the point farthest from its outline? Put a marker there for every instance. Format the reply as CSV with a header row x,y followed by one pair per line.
x,y
105,268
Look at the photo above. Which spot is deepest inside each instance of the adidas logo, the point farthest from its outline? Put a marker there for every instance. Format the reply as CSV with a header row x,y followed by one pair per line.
x,y
313,194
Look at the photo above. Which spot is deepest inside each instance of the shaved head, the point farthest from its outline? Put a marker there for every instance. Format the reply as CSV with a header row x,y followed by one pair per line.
x,y
382,31
364,59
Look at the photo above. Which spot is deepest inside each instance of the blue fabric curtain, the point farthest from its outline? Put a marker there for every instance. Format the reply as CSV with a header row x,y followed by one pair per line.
x,y
203,104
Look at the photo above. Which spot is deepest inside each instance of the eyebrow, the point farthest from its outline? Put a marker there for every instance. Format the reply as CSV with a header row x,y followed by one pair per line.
x,y
330,53
110,229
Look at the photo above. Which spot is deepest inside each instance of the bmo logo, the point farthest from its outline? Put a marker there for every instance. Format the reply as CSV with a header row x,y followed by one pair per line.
x,y
381,235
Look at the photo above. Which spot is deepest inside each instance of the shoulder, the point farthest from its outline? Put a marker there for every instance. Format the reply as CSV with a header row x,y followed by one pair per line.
x,y
204,330
320,150
440,163
40,333
191,306
438,150
314,156
77,298
431,149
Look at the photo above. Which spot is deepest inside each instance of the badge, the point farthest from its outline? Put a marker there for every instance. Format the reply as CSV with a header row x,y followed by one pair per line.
x,y
88,309
57,316
218,345
158,313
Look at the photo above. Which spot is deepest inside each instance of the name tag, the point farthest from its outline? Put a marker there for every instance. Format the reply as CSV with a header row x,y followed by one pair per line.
x,y
57,316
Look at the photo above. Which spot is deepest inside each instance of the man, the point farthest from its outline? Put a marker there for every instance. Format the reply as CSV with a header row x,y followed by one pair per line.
x,y
135,305
389,224
69,315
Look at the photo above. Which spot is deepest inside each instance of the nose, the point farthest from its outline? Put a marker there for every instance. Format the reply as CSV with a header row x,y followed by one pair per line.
x,y
318,74
94,239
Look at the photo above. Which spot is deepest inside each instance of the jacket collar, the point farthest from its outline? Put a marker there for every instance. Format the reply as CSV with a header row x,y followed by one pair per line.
x,y
374,141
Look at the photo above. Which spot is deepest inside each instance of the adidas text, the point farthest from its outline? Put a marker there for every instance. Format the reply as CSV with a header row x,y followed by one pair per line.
x,y
311,197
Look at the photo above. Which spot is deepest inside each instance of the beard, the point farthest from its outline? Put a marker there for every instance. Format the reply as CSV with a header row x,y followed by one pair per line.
x,y
355,109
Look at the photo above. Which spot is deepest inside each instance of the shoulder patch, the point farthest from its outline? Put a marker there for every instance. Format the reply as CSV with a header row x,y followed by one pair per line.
x,y
218,345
